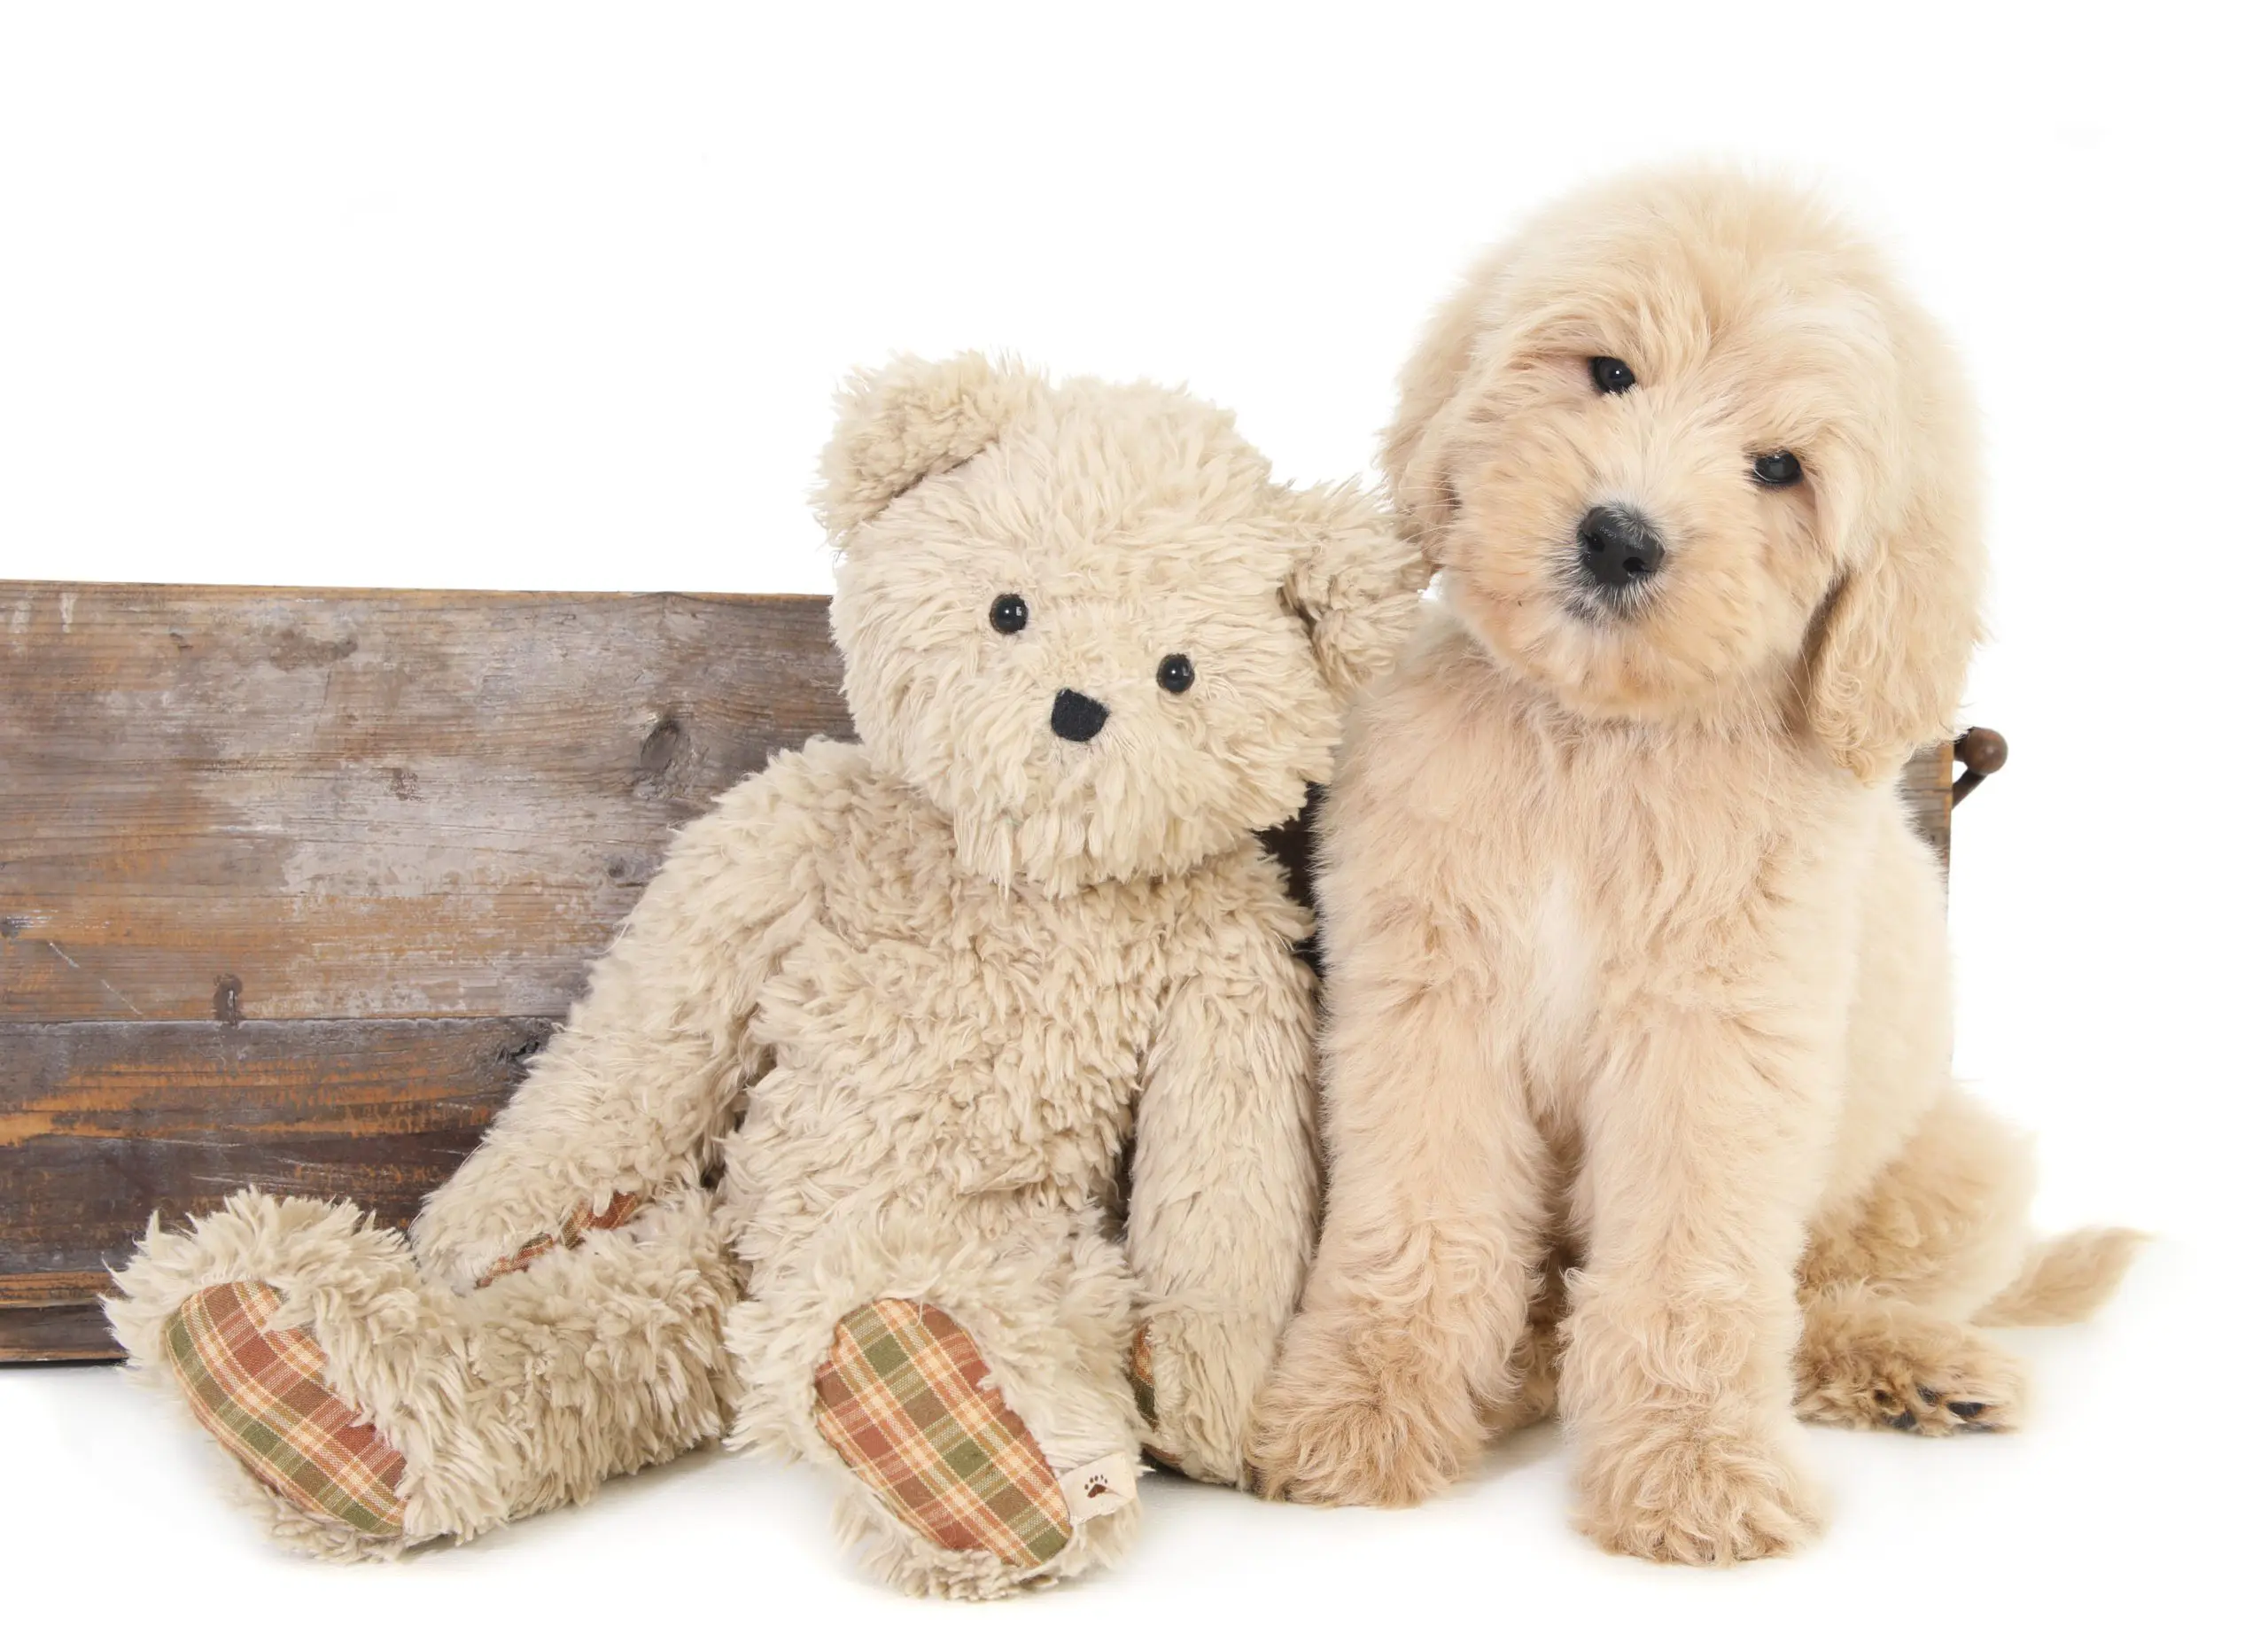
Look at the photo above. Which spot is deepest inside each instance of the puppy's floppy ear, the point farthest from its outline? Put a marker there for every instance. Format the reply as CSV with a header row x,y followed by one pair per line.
x,y
1891,650
1353,581
1415,452
912,419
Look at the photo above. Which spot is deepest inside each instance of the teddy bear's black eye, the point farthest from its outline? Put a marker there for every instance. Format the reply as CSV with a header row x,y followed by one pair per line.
x,y
1009,614
1777,471
1175,672
1611,376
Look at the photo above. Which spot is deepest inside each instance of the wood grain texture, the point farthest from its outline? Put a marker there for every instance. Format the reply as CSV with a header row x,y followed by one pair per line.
x,y
100,1122
74,1333
104,1123
291,881
274,803
1927,785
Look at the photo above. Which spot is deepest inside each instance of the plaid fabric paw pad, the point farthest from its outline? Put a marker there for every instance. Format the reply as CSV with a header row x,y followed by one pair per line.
x,y
260,1391
905,1401
1142,1370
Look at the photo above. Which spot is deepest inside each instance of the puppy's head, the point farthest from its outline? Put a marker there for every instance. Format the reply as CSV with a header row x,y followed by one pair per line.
x,y
1683,446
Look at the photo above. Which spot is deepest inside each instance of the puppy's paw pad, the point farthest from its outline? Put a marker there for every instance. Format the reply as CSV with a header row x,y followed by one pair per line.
x,y
1920,1410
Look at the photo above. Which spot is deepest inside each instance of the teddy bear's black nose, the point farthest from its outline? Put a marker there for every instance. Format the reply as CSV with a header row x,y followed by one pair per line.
x,y
1077,716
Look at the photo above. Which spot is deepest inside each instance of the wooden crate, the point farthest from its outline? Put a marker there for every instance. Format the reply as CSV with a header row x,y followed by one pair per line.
x,y
293,881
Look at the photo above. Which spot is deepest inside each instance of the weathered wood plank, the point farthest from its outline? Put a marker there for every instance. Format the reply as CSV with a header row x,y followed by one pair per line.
x,y
1927,785
55,1334
285,804
101,1122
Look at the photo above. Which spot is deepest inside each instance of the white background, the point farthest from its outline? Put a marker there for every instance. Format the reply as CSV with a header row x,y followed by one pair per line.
x,y
556,298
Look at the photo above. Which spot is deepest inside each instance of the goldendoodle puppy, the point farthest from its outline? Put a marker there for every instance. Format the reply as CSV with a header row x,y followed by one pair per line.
x,y
1636,965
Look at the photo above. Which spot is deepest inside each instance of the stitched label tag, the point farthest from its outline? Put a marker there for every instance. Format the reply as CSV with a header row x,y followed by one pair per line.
x,y
1097,1489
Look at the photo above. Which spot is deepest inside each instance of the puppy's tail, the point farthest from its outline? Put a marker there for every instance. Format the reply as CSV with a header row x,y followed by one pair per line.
x,y
2065,1278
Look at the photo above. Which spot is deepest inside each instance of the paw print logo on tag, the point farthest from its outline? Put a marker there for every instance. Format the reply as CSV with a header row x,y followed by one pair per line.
x,y
1095,1489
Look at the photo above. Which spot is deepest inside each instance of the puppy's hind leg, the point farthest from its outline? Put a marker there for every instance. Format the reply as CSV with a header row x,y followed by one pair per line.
x,y
1942,1226
1533,1374
1892,1283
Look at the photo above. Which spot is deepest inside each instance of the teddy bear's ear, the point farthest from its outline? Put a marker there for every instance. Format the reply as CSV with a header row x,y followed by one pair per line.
x,y
1354,582
908,420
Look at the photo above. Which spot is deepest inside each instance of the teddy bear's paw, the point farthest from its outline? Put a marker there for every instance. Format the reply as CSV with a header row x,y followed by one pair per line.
x,y
1691,1497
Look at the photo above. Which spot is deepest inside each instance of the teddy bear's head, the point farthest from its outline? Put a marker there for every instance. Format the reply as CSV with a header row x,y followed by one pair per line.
x,y
1080,618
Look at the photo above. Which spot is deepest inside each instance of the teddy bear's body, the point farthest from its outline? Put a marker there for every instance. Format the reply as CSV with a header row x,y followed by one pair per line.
x,y
832,1159
909,1082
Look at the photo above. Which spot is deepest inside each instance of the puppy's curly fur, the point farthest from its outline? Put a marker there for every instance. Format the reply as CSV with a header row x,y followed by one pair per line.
x,y
1634,960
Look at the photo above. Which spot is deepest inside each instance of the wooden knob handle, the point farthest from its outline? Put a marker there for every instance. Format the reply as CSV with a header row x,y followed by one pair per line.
x,y
1981,752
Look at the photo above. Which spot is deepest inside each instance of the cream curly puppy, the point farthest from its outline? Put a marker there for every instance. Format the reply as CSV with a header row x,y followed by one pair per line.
x,y
1636,964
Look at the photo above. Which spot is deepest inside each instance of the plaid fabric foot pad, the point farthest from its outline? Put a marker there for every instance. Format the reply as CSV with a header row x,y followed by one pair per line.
x,y
1142,1368
260,1393
580,1224
1143,1371
904,1399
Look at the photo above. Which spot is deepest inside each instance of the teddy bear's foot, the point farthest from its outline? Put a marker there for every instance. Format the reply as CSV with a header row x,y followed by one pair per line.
x,y
969,1506
259,1390
374,1410
241,1316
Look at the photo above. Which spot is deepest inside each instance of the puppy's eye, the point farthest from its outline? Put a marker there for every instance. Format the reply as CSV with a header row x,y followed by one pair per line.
x,y
1611,376
1777,471
1009,614
1175,672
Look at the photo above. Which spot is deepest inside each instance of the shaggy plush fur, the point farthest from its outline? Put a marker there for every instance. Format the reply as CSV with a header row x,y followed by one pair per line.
x,y
904,1004
1634,957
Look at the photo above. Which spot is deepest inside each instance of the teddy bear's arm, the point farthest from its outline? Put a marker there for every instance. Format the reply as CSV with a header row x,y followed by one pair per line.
x,y
631,1096
1222,1213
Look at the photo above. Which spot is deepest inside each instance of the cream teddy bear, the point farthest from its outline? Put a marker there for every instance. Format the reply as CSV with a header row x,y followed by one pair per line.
x,y
942,1113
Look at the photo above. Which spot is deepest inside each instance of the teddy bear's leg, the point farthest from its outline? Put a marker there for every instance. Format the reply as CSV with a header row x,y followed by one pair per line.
x,y
976,1397
595,1358
373,1409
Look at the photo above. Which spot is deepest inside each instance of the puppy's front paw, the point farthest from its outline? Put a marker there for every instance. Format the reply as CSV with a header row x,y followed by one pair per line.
x,y
1697,1499
1360,1419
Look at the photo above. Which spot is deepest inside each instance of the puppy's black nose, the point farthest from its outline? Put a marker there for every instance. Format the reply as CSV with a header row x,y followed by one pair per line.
x,y
1077,716
1617,548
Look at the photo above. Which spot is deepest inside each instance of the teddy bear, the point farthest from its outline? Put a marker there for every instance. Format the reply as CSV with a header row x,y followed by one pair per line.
x,y
942,1114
